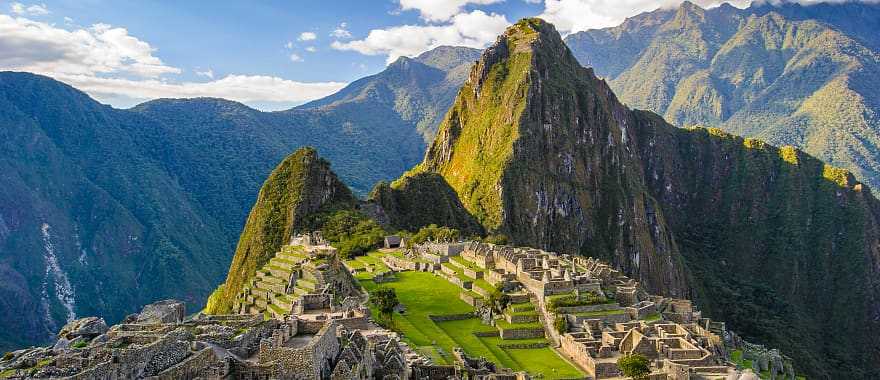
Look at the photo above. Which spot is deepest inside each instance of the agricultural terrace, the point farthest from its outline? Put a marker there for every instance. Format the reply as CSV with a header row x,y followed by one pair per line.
x,y
426,294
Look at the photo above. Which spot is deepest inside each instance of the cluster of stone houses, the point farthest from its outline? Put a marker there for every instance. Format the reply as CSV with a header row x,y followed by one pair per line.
x,y
608,315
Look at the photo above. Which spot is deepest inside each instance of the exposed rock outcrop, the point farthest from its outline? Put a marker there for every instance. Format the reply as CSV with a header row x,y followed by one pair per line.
x,y
167,311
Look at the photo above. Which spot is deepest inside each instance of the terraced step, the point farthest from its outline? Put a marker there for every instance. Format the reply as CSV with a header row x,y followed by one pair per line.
x,y
282,300
281,263
276,310
306,284
274,287
279,272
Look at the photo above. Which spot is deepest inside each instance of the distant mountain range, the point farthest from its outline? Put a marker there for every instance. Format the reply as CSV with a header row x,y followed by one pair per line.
x,y
807,76
103,210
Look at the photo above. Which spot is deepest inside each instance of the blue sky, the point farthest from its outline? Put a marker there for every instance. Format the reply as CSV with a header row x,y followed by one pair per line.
x,y
267,54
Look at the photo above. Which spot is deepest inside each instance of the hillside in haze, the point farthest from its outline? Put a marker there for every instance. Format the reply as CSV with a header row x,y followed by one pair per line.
x,y
97,202
778,244
789,74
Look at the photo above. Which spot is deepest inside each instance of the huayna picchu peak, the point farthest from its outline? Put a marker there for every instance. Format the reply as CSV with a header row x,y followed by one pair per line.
x,y
550,231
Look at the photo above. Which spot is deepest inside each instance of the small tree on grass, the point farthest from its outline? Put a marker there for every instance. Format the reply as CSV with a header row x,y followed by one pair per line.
x,y
635,366
385,299
498,301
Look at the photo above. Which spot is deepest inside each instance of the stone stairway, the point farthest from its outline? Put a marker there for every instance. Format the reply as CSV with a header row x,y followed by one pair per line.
x,y
277,284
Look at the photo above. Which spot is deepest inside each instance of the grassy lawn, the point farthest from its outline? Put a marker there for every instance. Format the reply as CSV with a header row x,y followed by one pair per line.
x,y
425,294
601,313
467,264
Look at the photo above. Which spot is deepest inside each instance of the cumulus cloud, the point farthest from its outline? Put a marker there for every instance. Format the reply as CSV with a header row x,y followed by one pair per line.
x,y
341,32
311,49
571,16
30,10
440,10
205,73
28,45
295,57
475,29
250,89
122,70
307,36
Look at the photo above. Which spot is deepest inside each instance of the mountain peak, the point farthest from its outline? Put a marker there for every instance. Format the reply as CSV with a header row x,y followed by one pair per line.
x,y
301,185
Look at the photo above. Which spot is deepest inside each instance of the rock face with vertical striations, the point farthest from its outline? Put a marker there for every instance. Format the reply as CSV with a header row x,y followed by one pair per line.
x,y
777,243
301,185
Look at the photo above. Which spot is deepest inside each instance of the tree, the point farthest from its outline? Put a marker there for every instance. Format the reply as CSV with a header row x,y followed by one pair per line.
x,y
498,301
435,233
635,366
560,324
385,299
498,239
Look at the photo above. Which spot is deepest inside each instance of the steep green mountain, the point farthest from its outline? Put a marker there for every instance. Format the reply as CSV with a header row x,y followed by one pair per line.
x,y
90,220
301,185
783,247
105,210
789,74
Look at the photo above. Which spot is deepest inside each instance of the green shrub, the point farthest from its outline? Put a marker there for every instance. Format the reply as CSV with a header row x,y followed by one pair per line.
x,y
560,324
384,299
435,233
496,239
79,344
7,356
351,232
635,366
571,300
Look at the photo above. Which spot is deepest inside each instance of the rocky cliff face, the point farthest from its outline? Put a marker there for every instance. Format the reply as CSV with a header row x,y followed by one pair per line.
x,y
537,149
301,185
780,245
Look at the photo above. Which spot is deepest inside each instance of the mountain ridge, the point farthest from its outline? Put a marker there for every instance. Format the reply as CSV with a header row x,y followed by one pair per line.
x,y
786,73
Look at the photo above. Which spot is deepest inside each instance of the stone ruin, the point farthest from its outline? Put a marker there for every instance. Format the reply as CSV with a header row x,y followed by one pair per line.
x,y
325,330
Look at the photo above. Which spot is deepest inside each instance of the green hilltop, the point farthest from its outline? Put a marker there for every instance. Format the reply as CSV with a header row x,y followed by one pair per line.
x,y
301,186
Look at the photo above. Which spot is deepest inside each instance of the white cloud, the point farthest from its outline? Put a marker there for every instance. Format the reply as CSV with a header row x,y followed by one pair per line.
x,y
311,49
307,36
440,10
289,45
121,70
295,57
571,16
30,10
341,32
475,29
205,73
248,89
28,45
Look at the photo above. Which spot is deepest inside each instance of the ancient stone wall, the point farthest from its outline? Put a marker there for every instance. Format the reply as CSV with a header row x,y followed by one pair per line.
x,y
451,317
193,367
